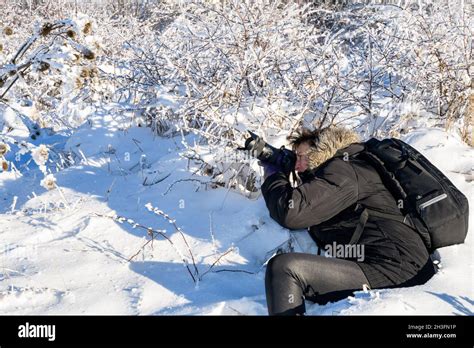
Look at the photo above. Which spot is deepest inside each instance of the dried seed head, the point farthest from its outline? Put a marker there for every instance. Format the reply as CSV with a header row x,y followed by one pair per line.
x,y
43,66
4,165
71,34
78,83
88,54
87,28
46,29
40,154
49,182
8,31
4,148
85,72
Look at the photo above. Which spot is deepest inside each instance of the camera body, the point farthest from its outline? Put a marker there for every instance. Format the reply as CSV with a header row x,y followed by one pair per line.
x,y
282,157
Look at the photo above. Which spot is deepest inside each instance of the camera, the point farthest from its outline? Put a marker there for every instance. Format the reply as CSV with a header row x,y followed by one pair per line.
x,y
281,157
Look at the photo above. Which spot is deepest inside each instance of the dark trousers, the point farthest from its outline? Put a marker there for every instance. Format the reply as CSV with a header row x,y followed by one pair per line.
x,y
292,278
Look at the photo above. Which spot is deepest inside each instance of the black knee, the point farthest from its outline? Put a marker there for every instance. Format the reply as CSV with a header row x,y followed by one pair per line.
x,y
283,291
280,265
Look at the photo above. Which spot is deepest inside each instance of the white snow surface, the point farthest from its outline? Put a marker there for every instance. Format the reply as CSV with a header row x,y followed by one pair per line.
x,y
59,257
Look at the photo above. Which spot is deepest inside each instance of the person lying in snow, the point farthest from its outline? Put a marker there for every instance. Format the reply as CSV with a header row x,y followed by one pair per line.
x,y
329,201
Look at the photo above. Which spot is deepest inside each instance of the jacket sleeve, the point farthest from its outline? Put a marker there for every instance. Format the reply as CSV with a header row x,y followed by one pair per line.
x,y
332,190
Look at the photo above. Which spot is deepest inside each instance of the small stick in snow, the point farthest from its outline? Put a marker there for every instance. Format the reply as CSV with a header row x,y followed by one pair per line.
x,y
151,232
215,262
15,198
64,198
182,180
178,229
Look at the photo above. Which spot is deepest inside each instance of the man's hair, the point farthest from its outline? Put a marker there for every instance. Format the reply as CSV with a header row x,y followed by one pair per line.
x,y
304,135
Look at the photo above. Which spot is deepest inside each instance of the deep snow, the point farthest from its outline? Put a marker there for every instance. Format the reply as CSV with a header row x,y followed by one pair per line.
x,y
62,258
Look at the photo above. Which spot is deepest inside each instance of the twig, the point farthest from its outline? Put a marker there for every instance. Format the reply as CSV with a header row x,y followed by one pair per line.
x,y
182,180
64,198
234,270
136,143
215,262
178,229
151,232
155,182
213,239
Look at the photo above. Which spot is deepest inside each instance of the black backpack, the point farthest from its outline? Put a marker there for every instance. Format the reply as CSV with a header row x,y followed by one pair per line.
x,y
436,208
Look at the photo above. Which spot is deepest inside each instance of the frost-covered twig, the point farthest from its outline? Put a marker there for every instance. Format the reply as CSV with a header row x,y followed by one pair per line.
x,y
182,180
41,55
63,197
211,230
151,232
49,183
158,212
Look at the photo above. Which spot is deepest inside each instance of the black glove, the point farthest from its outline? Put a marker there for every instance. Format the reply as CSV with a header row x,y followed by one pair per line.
x,y
254,144
269,168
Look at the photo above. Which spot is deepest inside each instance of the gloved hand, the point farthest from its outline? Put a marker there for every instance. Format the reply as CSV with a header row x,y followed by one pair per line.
x,y
254,145
269,169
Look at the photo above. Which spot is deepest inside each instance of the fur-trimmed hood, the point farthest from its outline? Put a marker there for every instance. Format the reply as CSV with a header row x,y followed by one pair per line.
x,y
330,140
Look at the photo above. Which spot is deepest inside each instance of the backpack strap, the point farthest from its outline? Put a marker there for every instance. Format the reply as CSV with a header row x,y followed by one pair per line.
x,y
388,216
364,216
362,151
388,179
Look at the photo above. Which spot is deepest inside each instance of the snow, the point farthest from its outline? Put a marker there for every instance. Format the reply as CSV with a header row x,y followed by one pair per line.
x,y
72,233
70,258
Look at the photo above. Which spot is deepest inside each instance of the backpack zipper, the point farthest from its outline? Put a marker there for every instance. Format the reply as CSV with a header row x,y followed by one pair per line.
x,y
433,201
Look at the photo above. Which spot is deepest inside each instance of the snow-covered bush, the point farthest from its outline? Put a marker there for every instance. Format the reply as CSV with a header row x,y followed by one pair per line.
x,y
273,66
55,68
47,71
437,60
218,68
74,48
239,65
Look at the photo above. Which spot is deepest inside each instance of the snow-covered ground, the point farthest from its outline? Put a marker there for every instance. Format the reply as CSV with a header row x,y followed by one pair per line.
x,y
60,256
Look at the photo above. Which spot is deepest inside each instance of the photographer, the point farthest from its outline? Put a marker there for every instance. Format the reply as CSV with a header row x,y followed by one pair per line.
x,y
341,200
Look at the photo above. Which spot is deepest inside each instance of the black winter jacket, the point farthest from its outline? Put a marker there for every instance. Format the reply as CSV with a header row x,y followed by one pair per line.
x,y
329,202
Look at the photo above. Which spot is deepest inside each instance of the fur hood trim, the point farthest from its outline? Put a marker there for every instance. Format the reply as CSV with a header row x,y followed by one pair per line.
x,y
330,141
